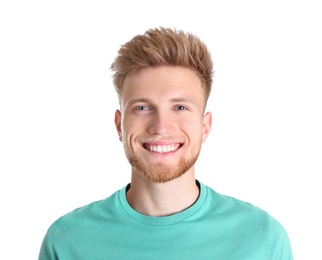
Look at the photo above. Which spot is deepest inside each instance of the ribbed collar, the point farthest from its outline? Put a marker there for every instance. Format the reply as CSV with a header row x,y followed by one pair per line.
x,y
163,221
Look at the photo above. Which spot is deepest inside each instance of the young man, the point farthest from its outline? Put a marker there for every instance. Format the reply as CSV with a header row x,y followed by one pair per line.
x,y
163,79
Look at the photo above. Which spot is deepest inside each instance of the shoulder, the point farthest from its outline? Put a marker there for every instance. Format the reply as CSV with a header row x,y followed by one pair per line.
x,y
241,213
85,216
252,222
82,224
232,207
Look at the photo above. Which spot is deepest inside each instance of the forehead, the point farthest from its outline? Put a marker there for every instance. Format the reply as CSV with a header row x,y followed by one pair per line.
x,y
163,82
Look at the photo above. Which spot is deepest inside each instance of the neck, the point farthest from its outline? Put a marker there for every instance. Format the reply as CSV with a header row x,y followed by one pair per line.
x,y
162,199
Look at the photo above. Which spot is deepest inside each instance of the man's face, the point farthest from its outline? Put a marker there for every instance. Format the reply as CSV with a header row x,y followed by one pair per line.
x,y
161,122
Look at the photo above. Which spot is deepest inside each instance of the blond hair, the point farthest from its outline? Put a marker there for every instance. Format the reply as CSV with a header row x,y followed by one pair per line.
x,y
163,46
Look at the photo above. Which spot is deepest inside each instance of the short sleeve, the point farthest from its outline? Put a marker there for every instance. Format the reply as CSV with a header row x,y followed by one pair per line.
x,y
45,251
280,247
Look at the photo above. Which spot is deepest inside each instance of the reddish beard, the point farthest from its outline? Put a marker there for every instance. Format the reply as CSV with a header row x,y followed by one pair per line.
x,y
161,172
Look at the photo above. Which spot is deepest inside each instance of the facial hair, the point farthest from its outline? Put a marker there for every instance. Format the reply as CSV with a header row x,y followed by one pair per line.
x,y
161,172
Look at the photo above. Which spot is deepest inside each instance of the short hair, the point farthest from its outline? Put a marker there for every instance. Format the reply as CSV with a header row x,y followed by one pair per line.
x,y
163,46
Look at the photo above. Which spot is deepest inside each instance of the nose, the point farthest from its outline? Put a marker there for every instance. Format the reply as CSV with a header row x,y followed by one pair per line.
x,y
161,123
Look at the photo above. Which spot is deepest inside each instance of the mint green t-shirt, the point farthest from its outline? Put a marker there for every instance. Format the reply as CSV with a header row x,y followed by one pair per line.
x,y
215,227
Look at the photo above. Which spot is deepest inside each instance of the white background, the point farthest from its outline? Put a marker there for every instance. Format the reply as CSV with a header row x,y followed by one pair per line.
x,y
58,146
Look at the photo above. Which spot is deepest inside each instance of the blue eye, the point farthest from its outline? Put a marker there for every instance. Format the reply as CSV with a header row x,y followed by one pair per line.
x,y
142,108
181,108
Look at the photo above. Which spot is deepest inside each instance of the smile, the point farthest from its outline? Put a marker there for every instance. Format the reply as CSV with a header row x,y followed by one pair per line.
x,y
162,148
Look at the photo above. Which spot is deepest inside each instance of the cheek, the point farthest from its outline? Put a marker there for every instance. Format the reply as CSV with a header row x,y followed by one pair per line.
x,y
131,128
193,128
132,124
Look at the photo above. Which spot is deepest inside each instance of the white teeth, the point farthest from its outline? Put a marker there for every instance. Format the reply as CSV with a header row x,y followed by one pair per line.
x,y
162,148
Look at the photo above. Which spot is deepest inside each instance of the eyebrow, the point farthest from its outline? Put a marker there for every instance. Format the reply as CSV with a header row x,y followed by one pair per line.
x,y
184,100
172,100
138,100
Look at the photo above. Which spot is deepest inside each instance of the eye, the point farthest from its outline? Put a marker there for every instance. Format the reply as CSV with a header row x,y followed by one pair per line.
x,y
141,108
180,107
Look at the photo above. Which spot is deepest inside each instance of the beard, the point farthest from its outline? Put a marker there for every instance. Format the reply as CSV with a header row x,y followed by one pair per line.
x,y
160,172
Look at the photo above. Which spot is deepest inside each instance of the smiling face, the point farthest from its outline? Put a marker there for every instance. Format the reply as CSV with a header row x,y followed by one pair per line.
x,y
161,122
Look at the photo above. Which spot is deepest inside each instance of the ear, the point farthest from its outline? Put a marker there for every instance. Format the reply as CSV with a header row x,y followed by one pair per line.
x,y
117,121
206,125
